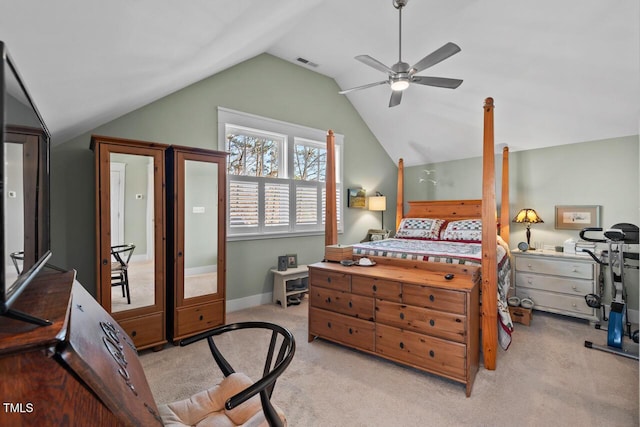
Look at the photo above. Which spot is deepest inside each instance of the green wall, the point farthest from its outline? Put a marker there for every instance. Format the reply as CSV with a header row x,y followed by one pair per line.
x,y
263,85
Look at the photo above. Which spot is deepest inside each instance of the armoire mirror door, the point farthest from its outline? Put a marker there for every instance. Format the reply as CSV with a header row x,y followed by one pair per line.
x,y
197,240
131,236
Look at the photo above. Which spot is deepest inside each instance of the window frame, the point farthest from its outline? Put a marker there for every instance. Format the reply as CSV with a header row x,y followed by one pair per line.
x,y
293,134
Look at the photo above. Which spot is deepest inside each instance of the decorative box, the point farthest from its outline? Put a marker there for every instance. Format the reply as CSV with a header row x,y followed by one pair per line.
x,y
338,252
521,315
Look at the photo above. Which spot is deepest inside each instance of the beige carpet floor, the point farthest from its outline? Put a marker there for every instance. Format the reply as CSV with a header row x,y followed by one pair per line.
x,y
547,377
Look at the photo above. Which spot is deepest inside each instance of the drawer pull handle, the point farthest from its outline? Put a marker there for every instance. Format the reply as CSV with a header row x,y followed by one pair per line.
x,y
329,324
201,317
350,331
375,288
350,304
328,279
432,353
134,333
432,322
529,266
328,300
458,320
574,287
401,345
402,316
432,298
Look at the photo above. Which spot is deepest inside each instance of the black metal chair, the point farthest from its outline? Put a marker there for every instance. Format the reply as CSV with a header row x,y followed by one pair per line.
x,y
119,268
189,411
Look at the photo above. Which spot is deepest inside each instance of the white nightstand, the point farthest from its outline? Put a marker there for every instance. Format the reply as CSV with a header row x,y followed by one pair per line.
x,y
280,279
556,282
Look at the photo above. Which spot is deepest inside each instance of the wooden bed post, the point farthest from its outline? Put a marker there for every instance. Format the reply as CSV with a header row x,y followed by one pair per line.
x,y
504,205
400,194
330,224
489,240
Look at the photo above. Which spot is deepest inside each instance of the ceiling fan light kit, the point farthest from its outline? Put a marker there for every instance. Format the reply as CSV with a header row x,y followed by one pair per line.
x,y
400,75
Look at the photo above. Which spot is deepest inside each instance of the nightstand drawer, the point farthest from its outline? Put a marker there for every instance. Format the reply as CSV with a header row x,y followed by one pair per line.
x,y
559,303
569,268
553,283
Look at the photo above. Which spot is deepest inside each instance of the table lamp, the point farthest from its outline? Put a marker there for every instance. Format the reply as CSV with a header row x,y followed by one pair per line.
x,y
528,216
378,203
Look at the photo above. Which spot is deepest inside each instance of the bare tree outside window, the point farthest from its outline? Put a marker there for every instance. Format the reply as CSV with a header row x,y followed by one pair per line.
x,y
251,155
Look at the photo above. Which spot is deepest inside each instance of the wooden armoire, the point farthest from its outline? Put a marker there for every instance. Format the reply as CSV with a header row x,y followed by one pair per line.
x,y
169,202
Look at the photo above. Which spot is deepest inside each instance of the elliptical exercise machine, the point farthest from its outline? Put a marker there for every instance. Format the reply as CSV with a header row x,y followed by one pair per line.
x,y
616,237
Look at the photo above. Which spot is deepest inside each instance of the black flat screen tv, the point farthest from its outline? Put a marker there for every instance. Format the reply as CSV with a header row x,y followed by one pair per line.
x,y
24,190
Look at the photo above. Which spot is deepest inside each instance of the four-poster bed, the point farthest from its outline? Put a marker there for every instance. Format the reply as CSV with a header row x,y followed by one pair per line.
x,y
484,209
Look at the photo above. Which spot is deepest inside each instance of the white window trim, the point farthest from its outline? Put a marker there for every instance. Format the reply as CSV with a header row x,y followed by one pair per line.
x,y
294,132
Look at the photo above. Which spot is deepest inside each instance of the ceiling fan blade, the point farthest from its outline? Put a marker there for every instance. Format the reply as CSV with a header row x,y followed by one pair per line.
x,y
436,56
342,92
396,97
437,81
372,62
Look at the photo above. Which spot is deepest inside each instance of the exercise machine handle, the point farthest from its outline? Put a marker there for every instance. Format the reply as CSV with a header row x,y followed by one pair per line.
x,y
588,239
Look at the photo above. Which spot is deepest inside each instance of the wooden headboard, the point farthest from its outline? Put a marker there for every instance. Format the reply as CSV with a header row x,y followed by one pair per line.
x,y
445,209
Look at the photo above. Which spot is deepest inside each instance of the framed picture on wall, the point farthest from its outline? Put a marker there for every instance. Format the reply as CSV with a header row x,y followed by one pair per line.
x,y
356,198
577,217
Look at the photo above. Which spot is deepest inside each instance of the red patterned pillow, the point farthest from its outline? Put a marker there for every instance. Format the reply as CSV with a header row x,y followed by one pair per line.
x,y
466,230
420,228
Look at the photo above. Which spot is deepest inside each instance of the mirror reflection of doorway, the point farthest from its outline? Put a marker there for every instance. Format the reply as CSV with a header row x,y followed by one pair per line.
x,y
131,205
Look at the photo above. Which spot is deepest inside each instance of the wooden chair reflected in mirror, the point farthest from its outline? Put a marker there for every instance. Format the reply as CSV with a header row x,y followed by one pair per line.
x,y
121,256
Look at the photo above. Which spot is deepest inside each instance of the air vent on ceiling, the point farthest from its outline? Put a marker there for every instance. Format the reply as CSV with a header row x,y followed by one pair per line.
x,y
307,62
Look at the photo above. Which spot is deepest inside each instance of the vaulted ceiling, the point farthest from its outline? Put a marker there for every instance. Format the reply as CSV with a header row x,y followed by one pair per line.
x,y
560,71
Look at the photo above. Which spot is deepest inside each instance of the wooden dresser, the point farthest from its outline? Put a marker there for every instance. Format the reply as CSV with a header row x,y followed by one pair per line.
x,y
556,282
408,315
82,370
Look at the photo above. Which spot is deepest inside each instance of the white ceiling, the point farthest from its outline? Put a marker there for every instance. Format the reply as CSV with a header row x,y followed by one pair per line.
x,y
560,71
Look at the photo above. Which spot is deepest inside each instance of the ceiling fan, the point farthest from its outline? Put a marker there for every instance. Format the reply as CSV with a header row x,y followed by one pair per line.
x,y
401,75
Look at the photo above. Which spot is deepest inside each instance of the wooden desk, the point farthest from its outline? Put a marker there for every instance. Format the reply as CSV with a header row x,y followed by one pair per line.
x,y
81,370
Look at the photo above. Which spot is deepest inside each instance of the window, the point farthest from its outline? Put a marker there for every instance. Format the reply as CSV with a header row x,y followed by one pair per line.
x,y
276,176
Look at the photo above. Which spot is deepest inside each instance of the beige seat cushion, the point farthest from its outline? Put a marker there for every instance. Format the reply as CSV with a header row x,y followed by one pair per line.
x,y
206,408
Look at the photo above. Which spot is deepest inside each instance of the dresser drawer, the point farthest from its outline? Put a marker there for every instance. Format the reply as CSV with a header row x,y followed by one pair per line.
x,y
569,268
423,320
379,288
559,303
438,299
343,329
145,331
564,285
342,302
190,320
329,279
434,354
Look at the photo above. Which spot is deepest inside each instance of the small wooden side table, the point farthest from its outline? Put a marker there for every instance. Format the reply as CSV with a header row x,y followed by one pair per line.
x,y
280,279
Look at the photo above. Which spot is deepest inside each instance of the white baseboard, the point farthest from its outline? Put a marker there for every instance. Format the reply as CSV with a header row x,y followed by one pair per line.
x,y
248,302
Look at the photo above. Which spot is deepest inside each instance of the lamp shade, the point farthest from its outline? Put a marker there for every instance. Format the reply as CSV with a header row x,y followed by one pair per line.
x,y
377,203
527,215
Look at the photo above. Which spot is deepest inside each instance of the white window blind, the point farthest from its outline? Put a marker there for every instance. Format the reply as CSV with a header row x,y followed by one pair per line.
x,y
276,176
